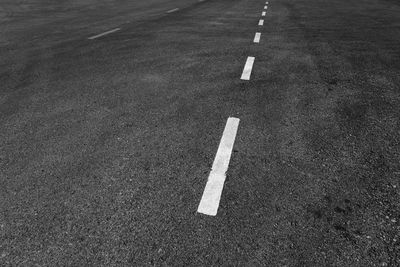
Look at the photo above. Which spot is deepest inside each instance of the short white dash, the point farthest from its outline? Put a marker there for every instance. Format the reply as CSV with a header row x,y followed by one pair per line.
x,y
257,37
266,3
265,7
261,22
263,13
172,10
212,192
104,33
247,69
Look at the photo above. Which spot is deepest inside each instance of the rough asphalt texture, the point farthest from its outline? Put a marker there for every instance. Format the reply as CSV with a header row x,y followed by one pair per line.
x,y
106,144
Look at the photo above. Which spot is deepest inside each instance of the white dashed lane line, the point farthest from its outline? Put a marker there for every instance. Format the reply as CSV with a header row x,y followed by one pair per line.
x,y
265,7
263,13
173,10
247,69
257,37
104,33
212,193
261,22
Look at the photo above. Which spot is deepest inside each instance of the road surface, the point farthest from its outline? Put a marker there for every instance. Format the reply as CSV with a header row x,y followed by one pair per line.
x,y
112,114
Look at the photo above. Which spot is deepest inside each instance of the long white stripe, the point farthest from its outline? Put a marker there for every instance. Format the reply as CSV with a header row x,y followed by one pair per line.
x,y
261,22
104,33
247,69
212,193
172,10
257,37
263,13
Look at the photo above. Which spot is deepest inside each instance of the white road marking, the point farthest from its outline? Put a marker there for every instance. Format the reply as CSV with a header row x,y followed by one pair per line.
x,y
266,3
261,22
265,7
172,10
104,33
212,192
263,13
257,37
247,69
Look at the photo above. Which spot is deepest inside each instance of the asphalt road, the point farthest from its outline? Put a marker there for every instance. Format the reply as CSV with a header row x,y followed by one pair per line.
x,y
106,144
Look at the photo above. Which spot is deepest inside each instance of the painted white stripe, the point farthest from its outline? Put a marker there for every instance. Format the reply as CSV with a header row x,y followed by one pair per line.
x,y
261,22
212,193
247,68
104,33
263,13
257,37
172,10
265,7
266,3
